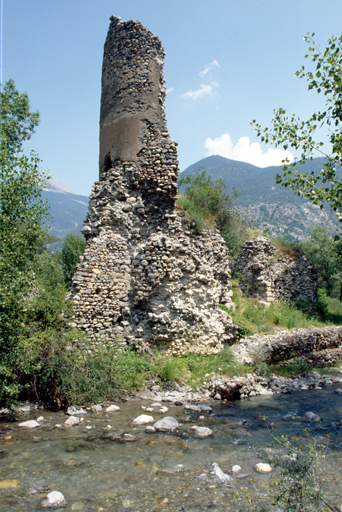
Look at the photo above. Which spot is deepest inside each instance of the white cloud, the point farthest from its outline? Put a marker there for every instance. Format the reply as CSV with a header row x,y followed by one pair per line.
x,y
170,89
208,67
204,90
245,151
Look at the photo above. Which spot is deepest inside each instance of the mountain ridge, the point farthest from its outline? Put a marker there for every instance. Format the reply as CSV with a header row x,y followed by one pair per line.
x,y
271,205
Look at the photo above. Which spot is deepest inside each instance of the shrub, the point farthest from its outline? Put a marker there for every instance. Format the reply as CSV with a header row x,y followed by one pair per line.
x,y
259,355
290,248
60,368
330,309
206,203
298,486
73,248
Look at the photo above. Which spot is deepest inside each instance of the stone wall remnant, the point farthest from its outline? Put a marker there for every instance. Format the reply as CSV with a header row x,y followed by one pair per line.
x,y
146,276
267,274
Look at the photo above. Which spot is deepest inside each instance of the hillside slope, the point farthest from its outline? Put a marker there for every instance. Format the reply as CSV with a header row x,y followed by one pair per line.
x,y
67,212
270,205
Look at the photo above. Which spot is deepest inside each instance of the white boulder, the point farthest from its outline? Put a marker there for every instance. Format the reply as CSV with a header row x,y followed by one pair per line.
x,y
219,476
263,467
167,424
29,424
54,499
72,421
143,419
112,408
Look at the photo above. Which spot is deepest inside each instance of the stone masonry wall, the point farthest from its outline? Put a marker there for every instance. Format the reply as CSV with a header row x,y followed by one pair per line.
x,y
146,276
269,275
316,345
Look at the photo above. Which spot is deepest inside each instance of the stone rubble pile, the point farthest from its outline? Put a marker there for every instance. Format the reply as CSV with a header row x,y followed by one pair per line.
x,y
252,384
316,346
146,275
267,274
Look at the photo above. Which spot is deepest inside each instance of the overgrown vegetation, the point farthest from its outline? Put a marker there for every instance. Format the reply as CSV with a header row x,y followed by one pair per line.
x,y
22,212
33,282
254,318
298,485
326,257
58,367
287,247
207,203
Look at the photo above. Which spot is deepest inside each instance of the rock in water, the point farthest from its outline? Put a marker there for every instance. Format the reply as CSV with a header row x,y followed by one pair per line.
x,y
29,424
263,467
143,419
311,416
54,499
167,424
219,476
72,421
198,408
201,431
149,429
147,275
73,409
129,437
112,408
236,468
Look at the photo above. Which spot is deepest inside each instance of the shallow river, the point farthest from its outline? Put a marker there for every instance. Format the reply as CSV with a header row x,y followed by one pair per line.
x,y
96,471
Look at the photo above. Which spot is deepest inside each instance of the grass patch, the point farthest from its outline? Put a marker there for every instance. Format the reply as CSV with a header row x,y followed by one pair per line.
x,y
301,367
291,369
254,318
60,369
194,215
287,247
194,369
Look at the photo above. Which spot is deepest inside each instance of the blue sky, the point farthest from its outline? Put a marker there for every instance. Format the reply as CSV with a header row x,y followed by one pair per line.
x,y
227,62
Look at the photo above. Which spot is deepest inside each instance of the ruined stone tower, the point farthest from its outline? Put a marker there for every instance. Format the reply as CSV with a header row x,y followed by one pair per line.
x,y
146,276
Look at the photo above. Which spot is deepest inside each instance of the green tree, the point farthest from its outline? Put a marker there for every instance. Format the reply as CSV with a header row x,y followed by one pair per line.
x,y
22,211
326,78
325,256
207,203
73,248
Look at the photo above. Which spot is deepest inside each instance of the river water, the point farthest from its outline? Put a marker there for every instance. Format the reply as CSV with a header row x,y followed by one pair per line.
x,y
96,471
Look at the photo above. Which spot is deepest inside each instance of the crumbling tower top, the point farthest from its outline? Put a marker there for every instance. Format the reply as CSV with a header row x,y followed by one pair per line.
x,y
133,92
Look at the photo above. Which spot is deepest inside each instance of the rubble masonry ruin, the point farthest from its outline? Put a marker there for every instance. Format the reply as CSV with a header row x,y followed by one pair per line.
x,y
146,276
267,274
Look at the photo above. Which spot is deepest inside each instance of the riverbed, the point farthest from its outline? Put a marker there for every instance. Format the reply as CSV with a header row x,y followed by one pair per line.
x,y
96,469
